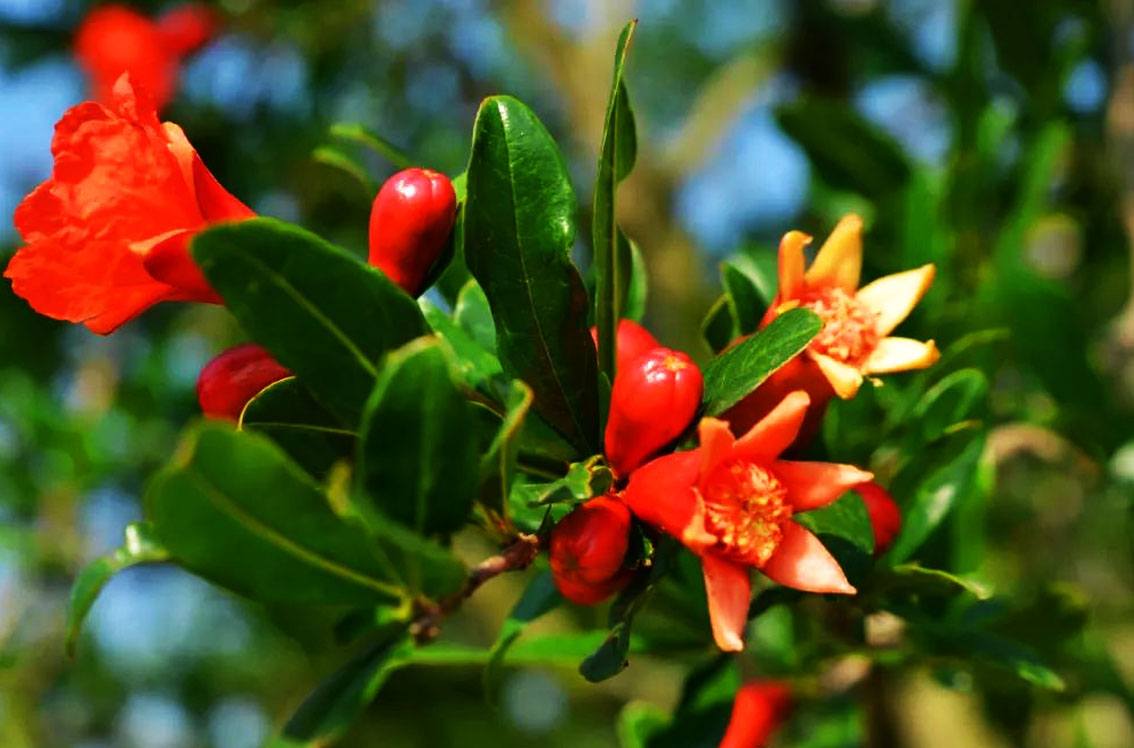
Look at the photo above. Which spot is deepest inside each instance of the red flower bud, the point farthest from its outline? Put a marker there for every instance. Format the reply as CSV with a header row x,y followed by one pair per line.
x,y
230,380
410,223
633,340
885,516
113,40
759,709
187,27
654,399
587,550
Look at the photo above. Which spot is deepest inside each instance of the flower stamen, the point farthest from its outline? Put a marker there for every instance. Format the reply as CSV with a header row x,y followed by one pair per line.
x,y
850,329
746,507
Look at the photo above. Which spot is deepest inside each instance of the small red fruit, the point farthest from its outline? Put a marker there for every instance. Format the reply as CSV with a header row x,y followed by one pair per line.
x,y
410,224
653,401
759,709
885,516
587,549
230,380
633,340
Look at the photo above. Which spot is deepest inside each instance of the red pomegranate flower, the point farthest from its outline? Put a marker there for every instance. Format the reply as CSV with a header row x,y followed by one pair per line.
x,y
731,501
115,39
857,322
107,235
758,711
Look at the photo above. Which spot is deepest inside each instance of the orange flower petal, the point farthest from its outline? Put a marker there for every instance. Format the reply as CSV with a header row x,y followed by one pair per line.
x,y
812,485
893,297
843,378
791,266
716,443
901,354
728,586
776,431
839,262
663,493
802,562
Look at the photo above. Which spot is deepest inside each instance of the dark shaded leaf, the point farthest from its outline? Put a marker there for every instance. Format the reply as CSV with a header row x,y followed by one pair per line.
x,y
357,133
286,412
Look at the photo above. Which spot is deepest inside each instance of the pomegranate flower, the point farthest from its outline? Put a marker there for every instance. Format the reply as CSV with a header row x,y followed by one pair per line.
x,y
855,340
107,235
731,501
758,711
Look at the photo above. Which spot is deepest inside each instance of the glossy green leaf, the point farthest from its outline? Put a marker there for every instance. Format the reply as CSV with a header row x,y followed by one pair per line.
x,y
636,277
354,132
846,519
419,445
287,412
538,598
616,158
735,373
960,398
322,313
234,509
476,365
331,708
935,497
718,327
519,231
498,465
744,298
139,547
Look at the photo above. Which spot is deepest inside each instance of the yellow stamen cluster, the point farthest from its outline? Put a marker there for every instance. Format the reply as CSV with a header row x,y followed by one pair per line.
x,y
850,329
746,507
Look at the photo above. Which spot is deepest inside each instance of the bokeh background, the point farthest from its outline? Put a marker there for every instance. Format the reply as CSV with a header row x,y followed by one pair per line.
x,y
993,137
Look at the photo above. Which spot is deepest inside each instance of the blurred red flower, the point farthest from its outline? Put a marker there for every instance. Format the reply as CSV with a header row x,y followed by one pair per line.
x,y
107,234
759,709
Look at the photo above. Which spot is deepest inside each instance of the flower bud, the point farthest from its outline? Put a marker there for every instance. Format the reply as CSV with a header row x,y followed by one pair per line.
x,y
230,380
800,373
633,340
187,27
587,549
759,709
410,224
885,516
653,401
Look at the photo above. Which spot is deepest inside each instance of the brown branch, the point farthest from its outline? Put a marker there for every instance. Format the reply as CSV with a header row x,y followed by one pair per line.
x,y
516,557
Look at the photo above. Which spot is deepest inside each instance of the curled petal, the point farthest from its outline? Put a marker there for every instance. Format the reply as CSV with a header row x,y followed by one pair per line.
x,y
776,431
812,485
843,378
728,586
802,562
166,258
839,262
663,493
791,265
901,354
893,297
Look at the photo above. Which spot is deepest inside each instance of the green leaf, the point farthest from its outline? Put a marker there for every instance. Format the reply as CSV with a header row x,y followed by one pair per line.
x,y
744,298
474,315
322,313
357,133
331,708
286,412
638,722
477,365
584,480
539,598
846,150
519,231
637,279
419,446
234,509
610,658
846,518
140,547
959,397
616,158
718,327
935,497
498,465
915,579
336,159
732,375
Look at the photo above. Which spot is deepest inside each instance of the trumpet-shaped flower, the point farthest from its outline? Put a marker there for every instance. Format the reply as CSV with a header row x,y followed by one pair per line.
x,y
107,236
732,502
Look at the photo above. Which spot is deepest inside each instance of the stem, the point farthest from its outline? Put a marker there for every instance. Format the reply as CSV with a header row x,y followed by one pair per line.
x,y
516,557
